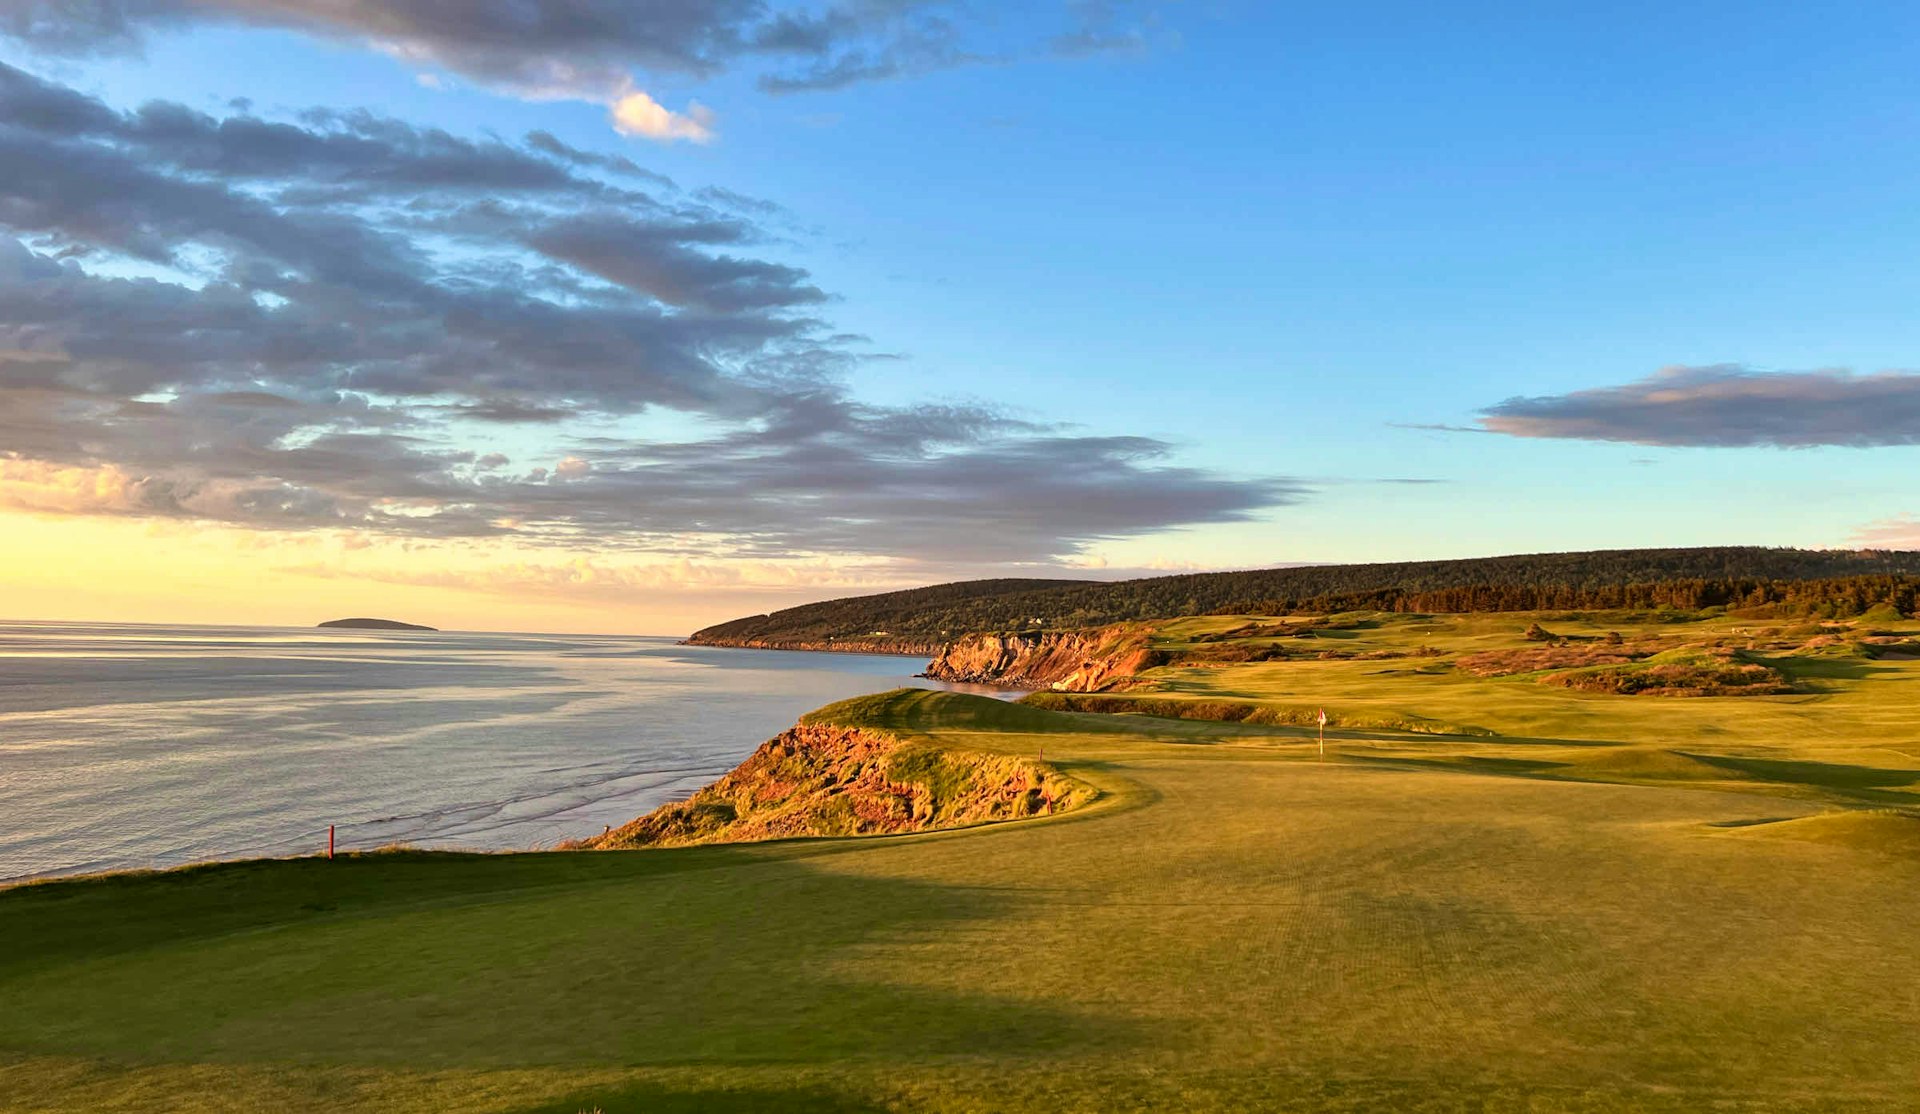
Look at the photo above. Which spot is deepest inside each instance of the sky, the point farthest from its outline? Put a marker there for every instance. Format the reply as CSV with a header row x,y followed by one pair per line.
x,y
590,315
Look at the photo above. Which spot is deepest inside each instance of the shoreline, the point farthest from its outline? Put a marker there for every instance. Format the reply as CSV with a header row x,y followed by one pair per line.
x,y
607,746
1001,691
406,848
903,649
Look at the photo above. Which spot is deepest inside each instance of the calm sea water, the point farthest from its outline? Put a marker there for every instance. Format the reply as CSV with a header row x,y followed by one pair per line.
x,y
146,746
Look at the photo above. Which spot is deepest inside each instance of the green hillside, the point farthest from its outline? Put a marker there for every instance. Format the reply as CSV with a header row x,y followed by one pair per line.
x,y
1826,582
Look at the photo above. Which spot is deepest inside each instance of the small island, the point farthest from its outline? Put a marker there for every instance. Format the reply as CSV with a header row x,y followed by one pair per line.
x,y
374,624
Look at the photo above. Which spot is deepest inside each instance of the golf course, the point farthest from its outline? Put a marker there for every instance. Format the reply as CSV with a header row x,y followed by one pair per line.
x,y
1597,861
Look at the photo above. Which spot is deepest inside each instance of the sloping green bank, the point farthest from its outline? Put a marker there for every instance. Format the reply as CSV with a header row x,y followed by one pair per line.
x,y
1234,711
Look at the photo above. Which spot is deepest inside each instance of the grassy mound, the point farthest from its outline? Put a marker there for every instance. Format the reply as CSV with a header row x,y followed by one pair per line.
x,y
1682,672
1644,764
924,710
1507,663
1232,711
1886,831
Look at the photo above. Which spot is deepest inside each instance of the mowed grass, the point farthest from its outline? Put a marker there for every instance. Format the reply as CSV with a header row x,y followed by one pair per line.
x,y
1691,921
1850,714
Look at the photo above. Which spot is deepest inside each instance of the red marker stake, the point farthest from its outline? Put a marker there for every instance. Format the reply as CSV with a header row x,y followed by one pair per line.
x,y
329,841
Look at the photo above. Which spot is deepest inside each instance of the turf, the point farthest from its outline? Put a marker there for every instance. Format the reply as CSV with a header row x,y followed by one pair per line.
x,y
1614,903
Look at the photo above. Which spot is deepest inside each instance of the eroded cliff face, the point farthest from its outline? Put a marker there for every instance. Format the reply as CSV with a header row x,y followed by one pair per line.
x,y
1065,661
820,780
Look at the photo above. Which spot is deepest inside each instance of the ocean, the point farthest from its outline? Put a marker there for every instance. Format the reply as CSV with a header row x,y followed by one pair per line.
x,y
134,746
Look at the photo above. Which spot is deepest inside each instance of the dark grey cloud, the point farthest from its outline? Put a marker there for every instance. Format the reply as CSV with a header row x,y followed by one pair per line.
x,y
659,260
340,320
593,48
509,411
1726,406
518,41
547,143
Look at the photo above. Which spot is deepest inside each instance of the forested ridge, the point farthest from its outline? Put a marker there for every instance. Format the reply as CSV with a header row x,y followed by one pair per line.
x,y
1825,582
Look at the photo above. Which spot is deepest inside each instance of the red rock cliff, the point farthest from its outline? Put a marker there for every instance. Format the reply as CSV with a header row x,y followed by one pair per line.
x,y
1066,661
821,780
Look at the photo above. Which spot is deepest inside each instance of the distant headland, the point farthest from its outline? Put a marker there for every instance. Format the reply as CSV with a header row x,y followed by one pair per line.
x,y
920,621
375,624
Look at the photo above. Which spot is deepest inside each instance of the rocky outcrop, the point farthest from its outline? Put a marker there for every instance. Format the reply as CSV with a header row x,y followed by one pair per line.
x,y
1065,661
823,780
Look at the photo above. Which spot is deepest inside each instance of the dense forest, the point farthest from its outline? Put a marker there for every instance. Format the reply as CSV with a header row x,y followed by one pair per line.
x,y
1829,583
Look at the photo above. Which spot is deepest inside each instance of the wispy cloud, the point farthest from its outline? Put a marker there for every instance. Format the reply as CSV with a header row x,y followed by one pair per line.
x,y
1901,531
1726,406
594,50
615,581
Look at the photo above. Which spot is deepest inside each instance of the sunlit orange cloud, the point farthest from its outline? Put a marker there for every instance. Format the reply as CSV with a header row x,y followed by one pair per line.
x,y
126,570
35,485
1902,531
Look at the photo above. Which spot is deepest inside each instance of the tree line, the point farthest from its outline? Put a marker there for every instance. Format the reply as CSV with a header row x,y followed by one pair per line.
x,y
1829,583
1835,598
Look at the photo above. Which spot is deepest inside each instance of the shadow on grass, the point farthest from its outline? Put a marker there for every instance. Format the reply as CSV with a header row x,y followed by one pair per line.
x,y
658,1099
1802,668
92,915
1547,741
1825,775
1656,767
710,955
1464,763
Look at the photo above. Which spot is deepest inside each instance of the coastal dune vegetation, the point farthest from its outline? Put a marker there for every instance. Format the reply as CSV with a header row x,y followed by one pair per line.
x,y
1491,891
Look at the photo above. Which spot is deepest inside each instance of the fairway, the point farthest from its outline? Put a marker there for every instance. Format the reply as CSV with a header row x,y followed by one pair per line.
x,y
1415,923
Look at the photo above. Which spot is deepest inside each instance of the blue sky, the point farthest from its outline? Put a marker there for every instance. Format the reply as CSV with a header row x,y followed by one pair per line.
x,y
1282,239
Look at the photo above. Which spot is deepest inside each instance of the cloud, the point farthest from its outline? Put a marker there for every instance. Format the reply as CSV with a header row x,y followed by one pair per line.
x,y
1726,406
599,579
636,113
1901,531
1102,27
330,322
109,490
673,262
548,144
591,50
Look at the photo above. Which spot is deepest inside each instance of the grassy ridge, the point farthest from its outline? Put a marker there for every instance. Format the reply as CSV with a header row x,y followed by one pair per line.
x,y
1597,579
1605,903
